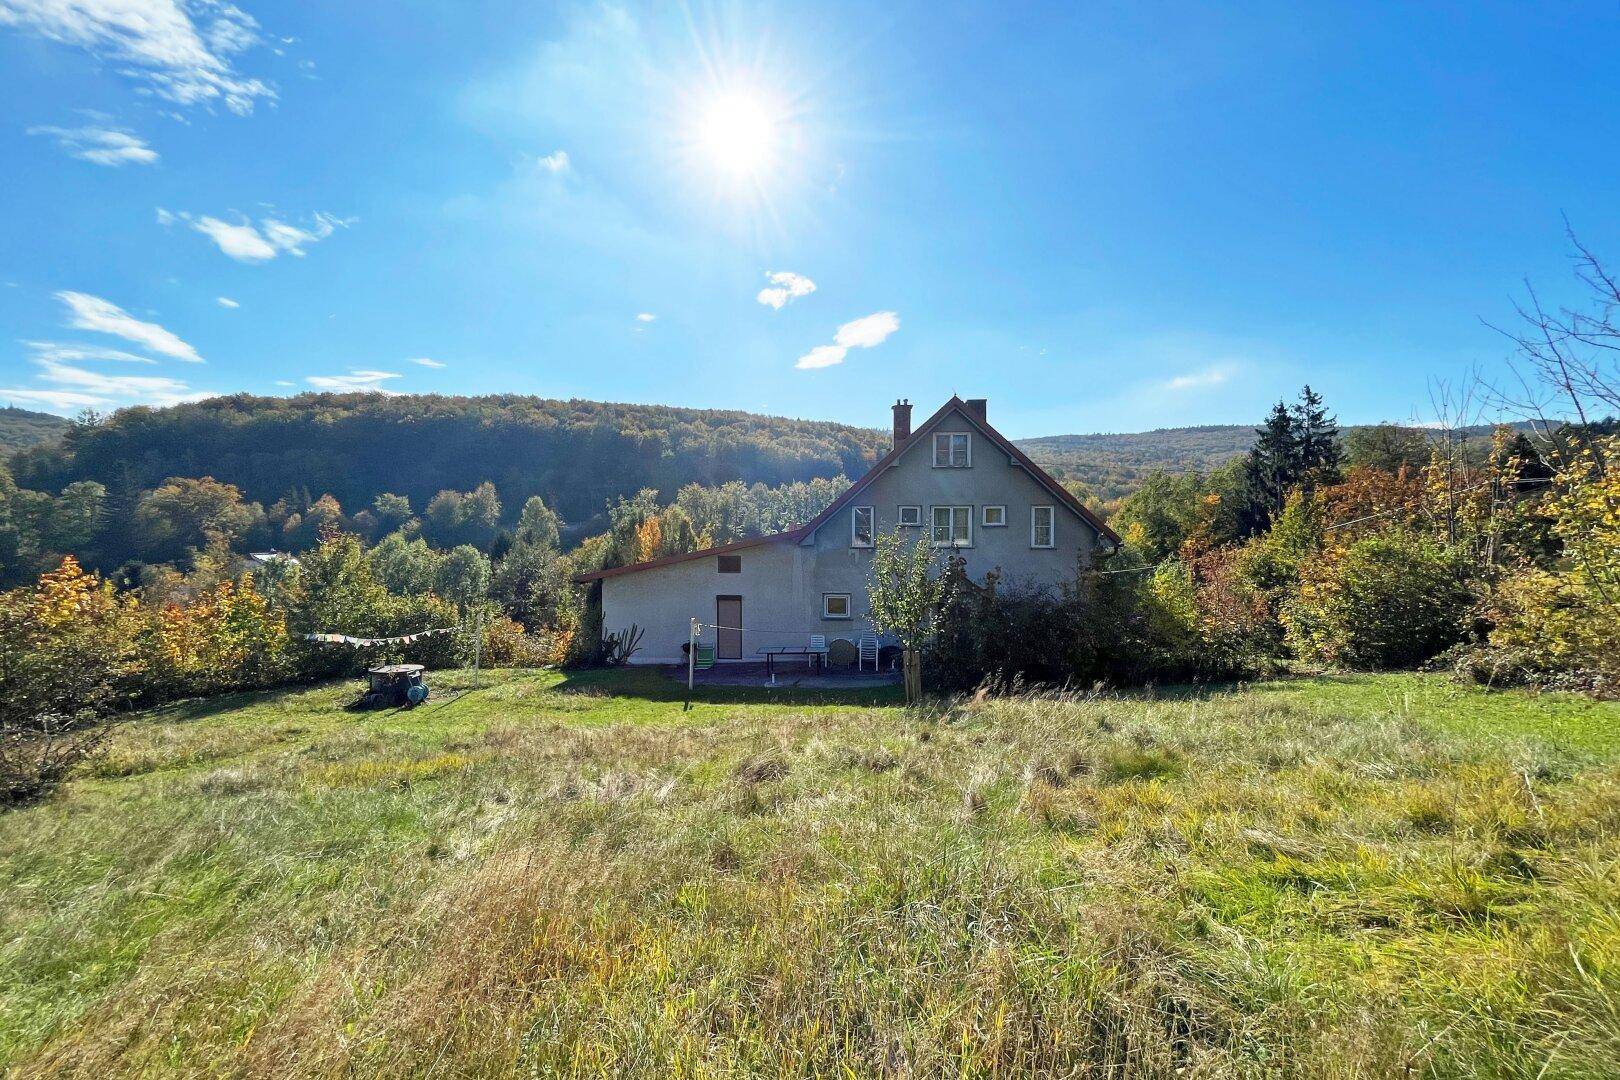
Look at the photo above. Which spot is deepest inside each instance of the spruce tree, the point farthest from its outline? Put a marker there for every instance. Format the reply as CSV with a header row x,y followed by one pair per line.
x,y
1272,467
1317,433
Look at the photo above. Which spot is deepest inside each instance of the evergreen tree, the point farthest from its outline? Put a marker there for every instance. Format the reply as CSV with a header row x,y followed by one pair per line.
x,y
1317,435
1271,468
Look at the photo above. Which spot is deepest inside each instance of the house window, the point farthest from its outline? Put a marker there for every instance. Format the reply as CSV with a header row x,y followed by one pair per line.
x,y
951,450
1042,527
861,529
910,516
953,526
835,605
994,517
731,564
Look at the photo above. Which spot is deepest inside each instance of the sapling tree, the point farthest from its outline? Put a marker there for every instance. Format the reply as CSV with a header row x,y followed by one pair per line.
x,y
907,590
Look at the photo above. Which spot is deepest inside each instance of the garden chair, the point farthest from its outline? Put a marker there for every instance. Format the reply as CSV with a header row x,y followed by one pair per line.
x,y
868,647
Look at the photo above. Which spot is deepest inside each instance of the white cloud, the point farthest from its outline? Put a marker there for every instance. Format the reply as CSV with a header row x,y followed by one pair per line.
x,y
862,333
71,388
110,146
786,286
646,317
285,382
88,312
245,242
822,356
554,163
1199,380
226,302
179,49
72,351
363,382
869,331
428,362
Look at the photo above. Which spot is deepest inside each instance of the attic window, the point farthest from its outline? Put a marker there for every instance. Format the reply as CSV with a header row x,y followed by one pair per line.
x,y
951,450
731,564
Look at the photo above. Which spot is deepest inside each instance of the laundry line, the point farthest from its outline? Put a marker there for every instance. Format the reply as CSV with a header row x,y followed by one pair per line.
x,y
360,642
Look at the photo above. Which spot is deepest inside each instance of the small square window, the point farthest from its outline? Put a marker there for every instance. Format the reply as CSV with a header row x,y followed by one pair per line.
x,y
994,516
909,516
835,605
862,527
951,450
731,564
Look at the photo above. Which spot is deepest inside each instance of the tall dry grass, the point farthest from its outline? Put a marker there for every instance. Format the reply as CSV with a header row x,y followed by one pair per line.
x,y
1039,885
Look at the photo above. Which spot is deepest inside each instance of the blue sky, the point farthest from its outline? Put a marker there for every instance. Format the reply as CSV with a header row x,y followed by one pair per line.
x,y
1101,217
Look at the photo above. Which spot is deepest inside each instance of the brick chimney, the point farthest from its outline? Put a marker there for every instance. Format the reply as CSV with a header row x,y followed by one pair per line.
x,y
902,423
978,406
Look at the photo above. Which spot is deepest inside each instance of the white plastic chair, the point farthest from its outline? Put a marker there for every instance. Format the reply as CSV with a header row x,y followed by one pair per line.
x,y
818,646
868,649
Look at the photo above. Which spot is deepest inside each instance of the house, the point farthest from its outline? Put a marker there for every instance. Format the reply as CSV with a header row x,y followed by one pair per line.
x,y
955,480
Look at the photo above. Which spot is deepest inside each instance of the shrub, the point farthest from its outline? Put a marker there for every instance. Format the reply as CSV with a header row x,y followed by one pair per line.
x,y
1392,599
507,645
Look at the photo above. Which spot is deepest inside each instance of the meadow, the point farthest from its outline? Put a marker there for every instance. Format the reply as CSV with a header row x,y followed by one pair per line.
x,y
1373,876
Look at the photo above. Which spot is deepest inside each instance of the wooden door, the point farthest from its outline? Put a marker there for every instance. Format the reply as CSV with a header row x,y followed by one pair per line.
x,y
728,639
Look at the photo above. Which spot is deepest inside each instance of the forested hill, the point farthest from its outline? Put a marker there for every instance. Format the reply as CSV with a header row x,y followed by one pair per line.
x,y
576,454
1111,465
21,428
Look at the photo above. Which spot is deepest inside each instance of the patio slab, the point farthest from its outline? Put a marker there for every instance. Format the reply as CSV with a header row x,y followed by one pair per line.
x,y
793,676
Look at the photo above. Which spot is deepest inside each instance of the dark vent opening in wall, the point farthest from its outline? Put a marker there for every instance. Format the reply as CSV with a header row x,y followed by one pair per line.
x,y
731,564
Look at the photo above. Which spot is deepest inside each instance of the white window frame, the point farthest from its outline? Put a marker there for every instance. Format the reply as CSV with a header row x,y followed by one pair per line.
x,y
849,606
916,517
855,527
949,445
984,517
954,541
1051,526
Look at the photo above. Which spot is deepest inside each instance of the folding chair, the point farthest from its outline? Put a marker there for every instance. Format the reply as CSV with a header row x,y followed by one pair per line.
x,y
818,649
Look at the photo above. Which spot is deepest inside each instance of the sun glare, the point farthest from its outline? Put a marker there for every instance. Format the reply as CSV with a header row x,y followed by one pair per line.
x,y
737,134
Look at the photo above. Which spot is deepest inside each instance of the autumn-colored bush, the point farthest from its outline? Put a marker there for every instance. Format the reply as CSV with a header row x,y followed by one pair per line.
x,y
226,638
1389,600
507,644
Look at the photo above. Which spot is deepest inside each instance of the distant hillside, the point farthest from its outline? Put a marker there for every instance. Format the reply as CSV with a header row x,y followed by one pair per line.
x,y
20,429
1114,465
578,455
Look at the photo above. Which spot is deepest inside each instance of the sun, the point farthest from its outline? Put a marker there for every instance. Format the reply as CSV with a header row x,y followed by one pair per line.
x,y
737,133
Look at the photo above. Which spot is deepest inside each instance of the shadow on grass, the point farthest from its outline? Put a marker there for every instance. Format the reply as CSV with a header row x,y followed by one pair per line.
x,y
191,709
651,684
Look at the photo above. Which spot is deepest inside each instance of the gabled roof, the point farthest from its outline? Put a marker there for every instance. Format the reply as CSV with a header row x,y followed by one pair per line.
x,y
955,404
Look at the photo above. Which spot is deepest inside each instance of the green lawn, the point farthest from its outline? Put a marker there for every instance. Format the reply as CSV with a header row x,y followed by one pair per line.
x,y
1367,876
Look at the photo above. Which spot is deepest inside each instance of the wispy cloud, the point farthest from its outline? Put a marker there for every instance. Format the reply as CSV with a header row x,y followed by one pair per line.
x,y
86,312
180,50
862,333
246,242
1214,375
646,317
72,352
285,382
785,286
226,302
114,147
555,163
355,382
70,388
427,361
